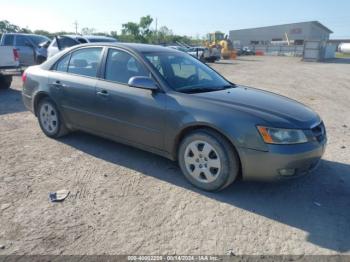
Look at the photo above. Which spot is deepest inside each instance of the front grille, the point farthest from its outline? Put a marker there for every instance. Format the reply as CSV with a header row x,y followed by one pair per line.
x,y
319,132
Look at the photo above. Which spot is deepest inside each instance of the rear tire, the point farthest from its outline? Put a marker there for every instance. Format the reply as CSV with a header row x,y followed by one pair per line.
x,y
5,82
50,119
208,160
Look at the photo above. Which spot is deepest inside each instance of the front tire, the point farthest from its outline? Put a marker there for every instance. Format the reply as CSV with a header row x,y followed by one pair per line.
x,y
208,161
5,82
50,120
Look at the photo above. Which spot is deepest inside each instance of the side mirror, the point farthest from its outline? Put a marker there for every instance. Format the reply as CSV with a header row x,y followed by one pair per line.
x,y
143,82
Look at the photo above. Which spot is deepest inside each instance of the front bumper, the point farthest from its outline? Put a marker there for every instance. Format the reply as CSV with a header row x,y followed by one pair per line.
x,y
303,158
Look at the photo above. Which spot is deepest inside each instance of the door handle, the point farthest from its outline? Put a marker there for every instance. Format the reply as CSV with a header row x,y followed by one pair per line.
x,y
102,93
58,84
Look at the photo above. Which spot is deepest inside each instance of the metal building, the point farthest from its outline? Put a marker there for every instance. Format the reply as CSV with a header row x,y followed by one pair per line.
x,y
295,33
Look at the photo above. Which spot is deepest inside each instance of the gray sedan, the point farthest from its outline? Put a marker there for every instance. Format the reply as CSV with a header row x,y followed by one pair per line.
x,y
169,103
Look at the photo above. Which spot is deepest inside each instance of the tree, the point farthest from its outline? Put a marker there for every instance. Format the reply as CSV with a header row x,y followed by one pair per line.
x,y
138,32
88,31
114,34
144,25
7,27
131,31
164,35
44,32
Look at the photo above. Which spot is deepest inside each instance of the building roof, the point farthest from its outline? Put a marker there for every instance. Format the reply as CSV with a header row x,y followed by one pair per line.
x,y
317,23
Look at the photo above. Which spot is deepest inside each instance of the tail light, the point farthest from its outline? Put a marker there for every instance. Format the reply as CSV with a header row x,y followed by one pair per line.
x,y
16,55
24,77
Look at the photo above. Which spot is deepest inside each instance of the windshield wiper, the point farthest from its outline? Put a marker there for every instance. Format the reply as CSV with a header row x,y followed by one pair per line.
x,y
203,89
194,90
229,86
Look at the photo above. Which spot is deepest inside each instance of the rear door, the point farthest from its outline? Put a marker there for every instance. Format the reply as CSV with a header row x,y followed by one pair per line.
x,y
133,114
25,49
72,83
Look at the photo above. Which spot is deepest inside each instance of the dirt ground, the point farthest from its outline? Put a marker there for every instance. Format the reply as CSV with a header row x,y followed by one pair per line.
x,y
126,201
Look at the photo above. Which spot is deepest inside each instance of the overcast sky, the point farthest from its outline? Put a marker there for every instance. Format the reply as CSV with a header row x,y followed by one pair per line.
x,y
190,17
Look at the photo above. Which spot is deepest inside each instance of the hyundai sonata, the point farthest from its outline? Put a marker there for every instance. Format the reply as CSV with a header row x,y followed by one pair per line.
x,y
169,103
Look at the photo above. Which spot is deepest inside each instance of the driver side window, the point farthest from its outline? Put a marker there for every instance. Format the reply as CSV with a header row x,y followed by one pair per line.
x,y
22,41
121,66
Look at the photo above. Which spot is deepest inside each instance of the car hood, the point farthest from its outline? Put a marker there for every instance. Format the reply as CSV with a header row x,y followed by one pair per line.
x,y
274,109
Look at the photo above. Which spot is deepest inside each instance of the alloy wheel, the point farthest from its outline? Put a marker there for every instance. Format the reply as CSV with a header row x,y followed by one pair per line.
x,y
202,161
48,118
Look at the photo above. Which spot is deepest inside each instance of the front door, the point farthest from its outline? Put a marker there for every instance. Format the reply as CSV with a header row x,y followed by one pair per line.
x,y
26,50
125,112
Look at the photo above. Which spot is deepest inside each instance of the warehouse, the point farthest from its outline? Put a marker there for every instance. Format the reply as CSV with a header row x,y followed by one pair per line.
x,y
295,33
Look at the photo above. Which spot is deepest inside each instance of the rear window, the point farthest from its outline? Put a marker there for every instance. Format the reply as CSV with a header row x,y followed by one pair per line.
x,y
85,62
66,42
62,65
82,40
9,40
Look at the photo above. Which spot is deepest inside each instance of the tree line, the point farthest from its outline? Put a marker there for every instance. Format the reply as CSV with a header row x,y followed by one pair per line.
x,y
136,32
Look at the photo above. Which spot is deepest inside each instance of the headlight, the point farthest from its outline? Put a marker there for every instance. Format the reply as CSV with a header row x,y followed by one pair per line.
x,y
281,136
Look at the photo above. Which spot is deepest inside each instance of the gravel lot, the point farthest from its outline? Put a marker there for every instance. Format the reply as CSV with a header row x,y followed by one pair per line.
x,y
126,201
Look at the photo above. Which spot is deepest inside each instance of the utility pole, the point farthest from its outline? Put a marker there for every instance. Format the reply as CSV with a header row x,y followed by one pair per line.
x,y
157,30
76,26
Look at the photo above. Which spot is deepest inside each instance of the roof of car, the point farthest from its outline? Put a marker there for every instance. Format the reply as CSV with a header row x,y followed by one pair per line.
x,y
24,34
140,48
89,36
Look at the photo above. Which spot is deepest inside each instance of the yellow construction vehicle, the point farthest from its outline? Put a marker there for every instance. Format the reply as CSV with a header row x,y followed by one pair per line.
x,y
220,41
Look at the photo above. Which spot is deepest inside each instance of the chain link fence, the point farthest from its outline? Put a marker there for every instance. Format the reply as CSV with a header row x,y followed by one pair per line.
x,y
279,50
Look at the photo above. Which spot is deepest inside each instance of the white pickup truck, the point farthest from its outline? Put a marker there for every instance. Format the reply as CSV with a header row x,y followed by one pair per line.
x,y
9,65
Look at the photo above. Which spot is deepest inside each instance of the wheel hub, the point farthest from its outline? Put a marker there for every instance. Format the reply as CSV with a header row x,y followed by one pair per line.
x,y
202,161
48,118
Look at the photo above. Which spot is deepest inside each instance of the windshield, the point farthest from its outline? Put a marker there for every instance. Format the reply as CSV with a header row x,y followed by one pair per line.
x,y
186,74
37,39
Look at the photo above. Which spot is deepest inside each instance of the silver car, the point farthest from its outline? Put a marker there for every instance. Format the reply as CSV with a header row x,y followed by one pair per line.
x,y
169,103
65,41
28,46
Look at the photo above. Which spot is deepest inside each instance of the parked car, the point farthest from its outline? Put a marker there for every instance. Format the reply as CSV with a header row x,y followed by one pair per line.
x,y
169,103
9,65
245,51
62,42
180,48
197,53
202,53
210,55
28,47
